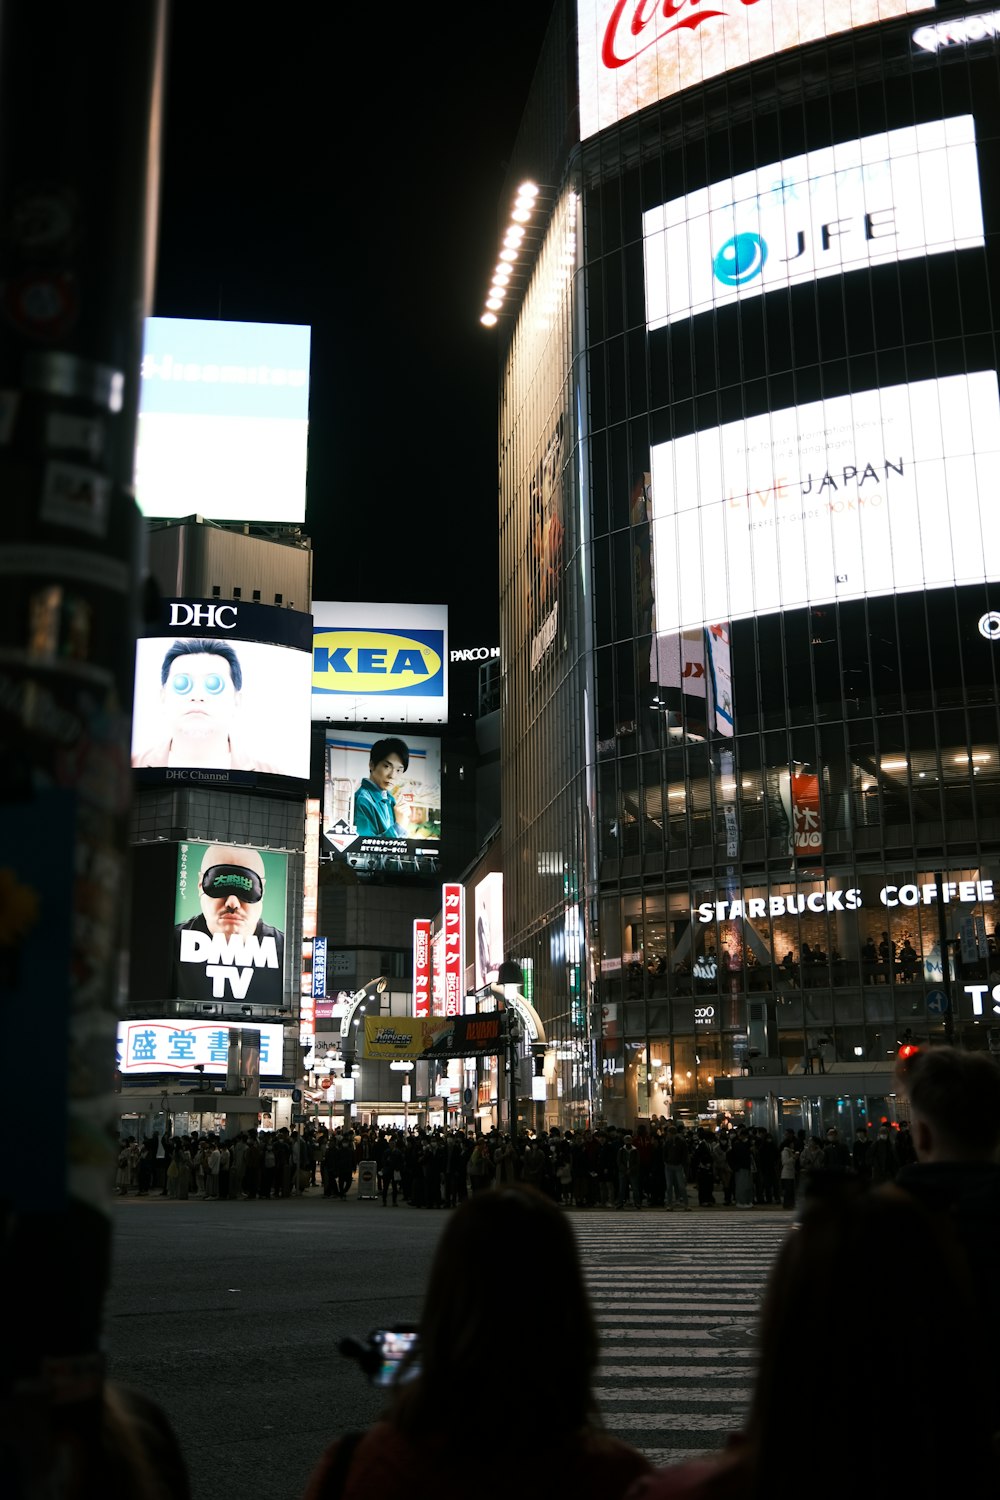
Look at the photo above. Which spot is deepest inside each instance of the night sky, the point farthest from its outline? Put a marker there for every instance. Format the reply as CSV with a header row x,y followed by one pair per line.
x,y
341,166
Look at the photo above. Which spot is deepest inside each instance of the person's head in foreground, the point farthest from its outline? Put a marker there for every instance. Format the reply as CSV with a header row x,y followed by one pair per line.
x,y
871,1294
470,1308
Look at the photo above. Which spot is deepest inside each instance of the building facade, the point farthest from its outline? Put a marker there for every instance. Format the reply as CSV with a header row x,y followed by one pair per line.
x,y
211,1003
750,555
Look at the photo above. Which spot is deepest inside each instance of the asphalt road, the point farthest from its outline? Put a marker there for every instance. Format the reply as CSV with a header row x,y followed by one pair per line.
x,y
229,1315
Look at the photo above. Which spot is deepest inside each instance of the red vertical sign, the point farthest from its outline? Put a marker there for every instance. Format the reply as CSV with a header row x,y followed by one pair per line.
x,y
453,926
807,827
421,967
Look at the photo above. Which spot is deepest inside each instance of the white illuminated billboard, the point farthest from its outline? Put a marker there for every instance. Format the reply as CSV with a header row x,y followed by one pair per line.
x,y
222,693
886,197
488,900
380,663
223,420
882,492
632,53
165,1045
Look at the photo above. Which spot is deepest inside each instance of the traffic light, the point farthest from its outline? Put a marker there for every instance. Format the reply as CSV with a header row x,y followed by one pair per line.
x,y
907,1045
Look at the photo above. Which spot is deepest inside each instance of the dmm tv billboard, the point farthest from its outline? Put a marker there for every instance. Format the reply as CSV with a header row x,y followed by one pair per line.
x,y
207,924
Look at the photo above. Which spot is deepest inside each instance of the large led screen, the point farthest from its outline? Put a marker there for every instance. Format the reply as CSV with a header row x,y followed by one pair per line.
x,y
488,901
223,420
632,53
887,197
229,923
882,492
380,663
382,803
176,1046
222,692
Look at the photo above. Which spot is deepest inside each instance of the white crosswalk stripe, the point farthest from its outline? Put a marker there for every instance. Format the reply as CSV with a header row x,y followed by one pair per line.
x,y
676,1299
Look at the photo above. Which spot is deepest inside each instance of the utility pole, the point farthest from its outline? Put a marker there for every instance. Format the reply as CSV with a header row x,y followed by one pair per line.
x,y
80,103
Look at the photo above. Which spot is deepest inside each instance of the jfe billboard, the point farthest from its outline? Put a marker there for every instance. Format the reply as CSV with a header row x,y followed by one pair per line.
x,y
380,663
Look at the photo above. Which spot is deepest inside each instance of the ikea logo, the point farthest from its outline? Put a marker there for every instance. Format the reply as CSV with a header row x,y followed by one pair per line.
x,y
378,661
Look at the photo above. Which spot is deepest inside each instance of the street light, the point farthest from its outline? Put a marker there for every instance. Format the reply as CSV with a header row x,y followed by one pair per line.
x,y
350,1052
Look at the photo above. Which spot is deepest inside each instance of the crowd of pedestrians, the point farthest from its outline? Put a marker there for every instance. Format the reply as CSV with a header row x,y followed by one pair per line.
x,y
659,1165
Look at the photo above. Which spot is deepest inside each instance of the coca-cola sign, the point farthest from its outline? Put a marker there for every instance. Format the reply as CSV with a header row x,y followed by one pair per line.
x,y
633,53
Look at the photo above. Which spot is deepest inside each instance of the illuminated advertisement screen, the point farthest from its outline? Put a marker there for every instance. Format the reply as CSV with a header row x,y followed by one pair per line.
x,y
223,420
387,662
229,923
886,197
882,492
488,901
693,670
179,1046
632,53
382,802
222,692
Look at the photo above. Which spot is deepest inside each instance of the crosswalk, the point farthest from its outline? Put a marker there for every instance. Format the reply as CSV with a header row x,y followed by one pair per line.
x,y
676,1298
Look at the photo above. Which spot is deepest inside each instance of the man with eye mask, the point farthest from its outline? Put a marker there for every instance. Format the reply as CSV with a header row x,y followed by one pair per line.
x,y
228,952
201,682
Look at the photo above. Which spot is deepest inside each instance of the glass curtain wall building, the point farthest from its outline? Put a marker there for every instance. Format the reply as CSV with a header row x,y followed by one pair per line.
x,y
750,448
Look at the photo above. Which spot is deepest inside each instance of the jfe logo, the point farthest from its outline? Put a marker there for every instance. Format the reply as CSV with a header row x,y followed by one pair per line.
x,y
378,661
740,259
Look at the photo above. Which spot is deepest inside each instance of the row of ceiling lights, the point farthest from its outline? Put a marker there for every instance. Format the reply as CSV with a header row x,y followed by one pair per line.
x,y
524,206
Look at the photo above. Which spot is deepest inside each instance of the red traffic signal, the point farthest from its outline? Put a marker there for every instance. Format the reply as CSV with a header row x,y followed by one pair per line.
x,y
908,1049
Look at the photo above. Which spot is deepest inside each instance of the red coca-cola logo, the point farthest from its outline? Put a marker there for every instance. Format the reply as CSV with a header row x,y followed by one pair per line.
x,y
633,25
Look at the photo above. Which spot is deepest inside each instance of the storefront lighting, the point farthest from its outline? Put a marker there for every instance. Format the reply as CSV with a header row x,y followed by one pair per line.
x,y
488,319
495,303
508,255
514,235
893,765
502,273
528,189
520,216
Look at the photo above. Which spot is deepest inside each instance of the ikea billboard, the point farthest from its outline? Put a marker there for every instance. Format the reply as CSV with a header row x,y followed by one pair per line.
x,y
375,663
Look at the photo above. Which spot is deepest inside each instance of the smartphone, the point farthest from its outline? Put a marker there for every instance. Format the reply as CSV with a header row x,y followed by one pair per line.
x,y
391,1346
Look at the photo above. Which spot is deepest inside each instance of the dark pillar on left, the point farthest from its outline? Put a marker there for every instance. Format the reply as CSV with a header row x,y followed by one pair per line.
x,y
80,100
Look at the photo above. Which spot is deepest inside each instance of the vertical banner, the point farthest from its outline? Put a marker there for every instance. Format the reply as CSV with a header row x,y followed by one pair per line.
x,y
453,925
807,829
437,972
488,902
313,982
421,967
319,969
